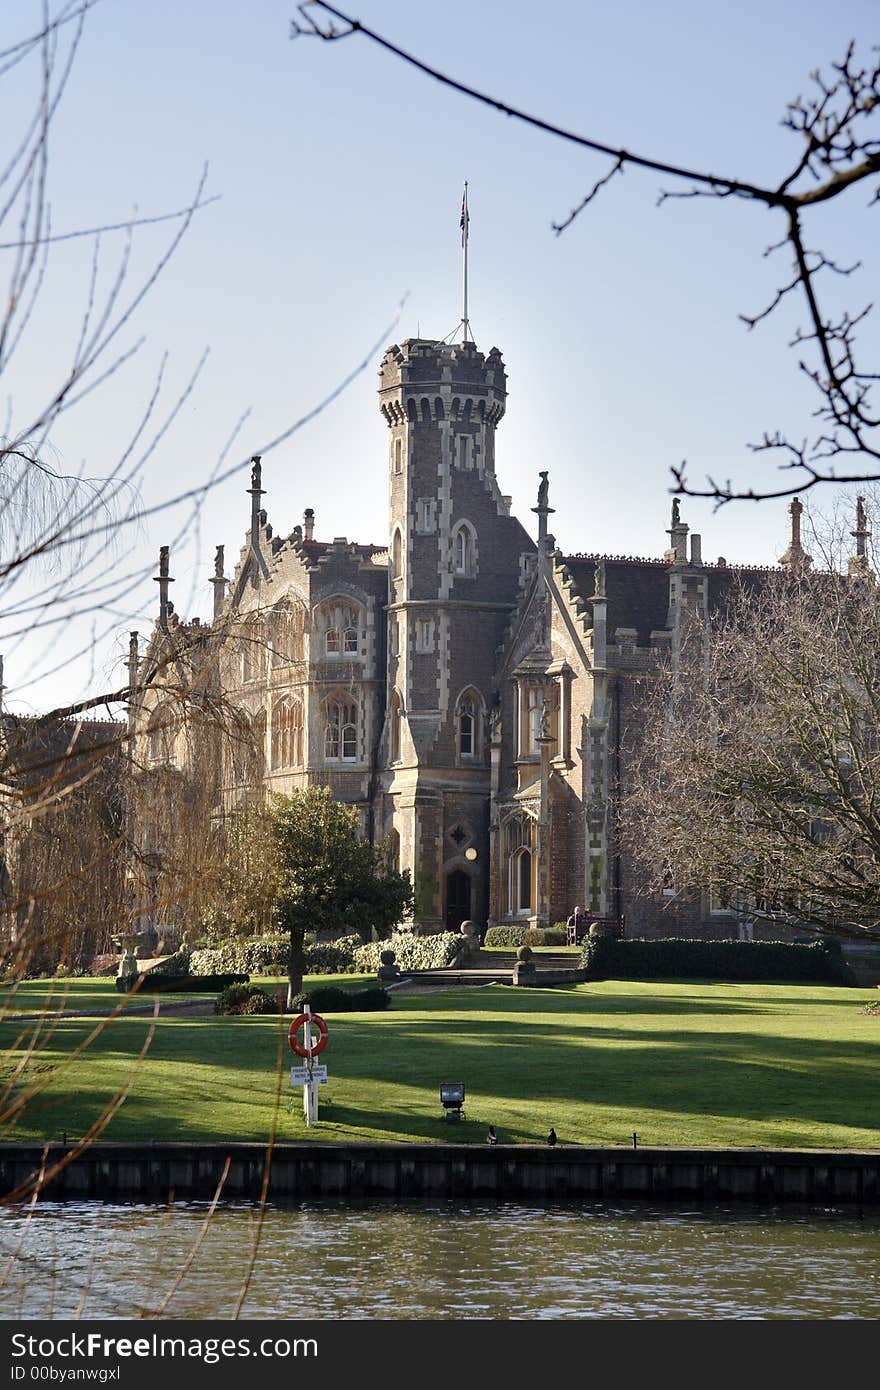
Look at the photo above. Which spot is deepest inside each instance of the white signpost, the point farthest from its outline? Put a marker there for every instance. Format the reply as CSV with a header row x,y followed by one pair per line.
x,y
310,1076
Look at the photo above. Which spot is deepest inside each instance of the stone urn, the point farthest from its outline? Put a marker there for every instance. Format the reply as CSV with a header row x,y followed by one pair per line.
x,y
602,929
471,934
387,971
524,970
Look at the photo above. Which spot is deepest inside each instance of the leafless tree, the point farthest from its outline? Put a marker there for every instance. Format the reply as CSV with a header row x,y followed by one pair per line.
x,y
837,130
757,772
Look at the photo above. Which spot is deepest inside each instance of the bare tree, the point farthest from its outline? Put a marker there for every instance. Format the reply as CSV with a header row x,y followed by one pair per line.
x,y
837,129
757,774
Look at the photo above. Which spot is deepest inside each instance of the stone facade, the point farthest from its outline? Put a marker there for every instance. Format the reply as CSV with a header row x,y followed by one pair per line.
x,y
468,688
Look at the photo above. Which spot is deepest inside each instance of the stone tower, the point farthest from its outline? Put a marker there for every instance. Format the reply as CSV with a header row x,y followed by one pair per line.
x,y
455,561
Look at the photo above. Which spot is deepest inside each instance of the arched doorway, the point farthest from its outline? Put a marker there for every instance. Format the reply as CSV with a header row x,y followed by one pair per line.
x,y
458,899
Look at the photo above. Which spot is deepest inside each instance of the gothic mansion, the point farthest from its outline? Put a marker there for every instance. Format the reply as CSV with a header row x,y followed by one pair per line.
x,y
466,687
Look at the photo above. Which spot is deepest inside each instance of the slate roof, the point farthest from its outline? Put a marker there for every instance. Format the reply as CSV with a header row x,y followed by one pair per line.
x,y
638,589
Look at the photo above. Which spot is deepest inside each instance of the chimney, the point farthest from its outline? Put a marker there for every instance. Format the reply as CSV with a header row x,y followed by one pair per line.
x,y
308,523
696,548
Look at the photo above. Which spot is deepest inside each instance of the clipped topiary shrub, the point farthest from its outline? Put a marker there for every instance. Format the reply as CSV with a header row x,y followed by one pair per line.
x,y
413,952
245,999
331,999
507,936
606,957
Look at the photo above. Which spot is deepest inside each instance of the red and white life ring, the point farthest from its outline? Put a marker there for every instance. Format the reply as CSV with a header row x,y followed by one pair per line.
x,y
293,1034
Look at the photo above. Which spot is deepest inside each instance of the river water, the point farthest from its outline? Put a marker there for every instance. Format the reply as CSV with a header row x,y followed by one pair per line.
x,y
448,1259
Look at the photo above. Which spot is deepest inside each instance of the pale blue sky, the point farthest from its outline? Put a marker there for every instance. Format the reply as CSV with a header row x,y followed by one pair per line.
x,y
340,175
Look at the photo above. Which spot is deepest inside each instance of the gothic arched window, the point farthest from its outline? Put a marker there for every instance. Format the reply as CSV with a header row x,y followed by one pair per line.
x,y
395,717
464,549
468,725
519,850
340,729
396,555
287,733
341,624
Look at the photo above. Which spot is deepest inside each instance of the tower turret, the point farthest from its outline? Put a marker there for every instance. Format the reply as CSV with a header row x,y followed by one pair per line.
x,y
454,566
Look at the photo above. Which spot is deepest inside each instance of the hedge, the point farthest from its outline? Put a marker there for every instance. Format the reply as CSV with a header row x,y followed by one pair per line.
x,y
330,999
412,952
513,936
509,936
182,984
270,955
605,958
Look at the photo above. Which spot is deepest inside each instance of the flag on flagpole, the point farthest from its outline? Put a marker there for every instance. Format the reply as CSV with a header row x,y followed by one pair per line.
x,y
465,217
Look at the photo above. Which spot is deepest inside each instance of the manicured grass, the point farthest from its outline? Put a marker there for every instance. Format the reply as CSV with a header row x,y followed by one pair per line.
x,y
680,1063
536,950
67,996
86,995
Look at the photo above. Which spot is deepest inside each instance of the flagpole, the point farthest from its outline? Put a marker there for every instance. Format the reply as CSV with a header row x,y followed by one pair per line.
x,y
465,219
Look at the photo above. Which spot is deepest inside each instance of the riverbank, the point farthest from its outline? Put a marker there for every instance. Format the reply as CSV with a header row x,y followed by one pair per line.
x,y
110,1172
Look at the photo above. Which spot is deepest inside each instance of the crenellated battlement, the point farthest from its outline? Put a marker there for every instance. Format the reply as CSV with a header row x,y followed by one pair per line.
x,y
424,380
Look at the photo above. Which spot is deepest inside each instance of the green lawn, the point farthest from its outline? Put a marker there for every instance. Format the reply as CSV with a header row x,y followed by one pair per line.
x,y
84,995
536,950
702,1064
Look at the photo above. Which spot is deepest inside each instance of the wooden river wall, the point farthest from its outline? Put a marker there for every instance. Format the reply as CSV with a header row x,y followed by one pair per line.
x,y
114,1172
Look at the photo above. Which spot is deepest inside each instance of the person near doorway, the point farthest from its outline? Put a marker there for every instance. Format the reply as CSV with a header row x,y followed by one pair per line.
x,y
578,925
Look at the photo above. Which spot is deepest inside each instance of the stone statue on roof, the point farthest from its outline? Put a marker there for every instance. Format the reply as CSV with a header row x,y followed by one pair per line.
x,y
676,512
543,490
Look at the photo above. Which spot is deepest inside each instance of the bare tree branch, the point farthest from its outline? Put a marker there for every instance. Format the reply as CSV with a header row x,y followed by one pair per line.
x,y
836,156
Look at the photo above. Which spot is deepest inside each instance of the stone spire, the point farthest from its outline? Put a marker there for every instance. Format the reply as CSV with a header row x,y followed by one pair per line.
x,y
132,678
256,492
163,580
858,564
218,582
795,557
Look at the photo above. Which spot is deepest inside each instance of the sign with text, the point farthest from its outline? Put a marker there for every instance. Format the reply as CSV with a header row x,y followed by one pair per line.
x,y
299,1076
